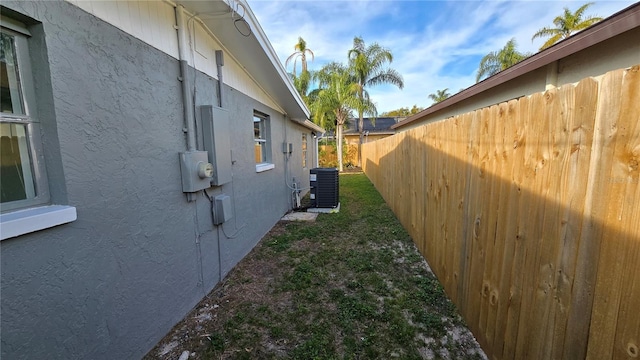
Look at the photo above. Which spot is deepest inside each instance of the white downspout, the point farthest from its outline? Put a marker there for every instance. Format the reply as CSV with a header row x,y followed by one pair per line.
x,y
317,150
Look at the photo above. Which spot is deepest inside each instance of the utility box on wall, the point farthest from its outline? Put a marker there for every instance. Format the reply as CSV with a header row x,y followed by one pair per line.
x,y
217,141
324,184
222,209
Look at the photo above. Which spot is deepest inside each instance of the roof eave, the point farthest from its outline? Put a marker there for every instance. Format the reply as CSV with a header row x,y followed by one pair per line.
x,y
254,53
310,125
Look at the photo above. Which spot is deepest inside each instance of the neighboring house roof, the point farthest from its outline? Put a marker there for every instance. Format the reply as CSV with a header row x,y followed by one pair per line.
x,y
382,126
254,51
618,23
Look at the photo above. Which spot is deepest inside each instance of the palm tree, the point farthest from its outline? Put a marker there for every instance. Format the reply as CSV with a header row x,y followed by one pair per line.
x,y
566,25
301,51
369,65
496,61
336,98
301,83
439,96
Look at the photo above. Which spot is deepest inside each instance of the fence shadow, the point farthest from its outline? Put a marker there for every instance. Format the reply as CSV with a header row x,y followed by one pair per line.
x,y
529,214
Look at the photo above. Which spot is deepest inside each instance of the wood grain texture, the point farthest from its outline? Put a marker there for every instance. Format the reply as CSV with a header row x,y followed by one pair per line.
x,y
529,214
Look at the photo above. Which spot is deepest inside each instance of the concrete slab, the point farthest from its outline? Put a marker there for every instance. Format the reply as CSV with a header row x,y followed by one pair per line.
x,y
325,210
300,216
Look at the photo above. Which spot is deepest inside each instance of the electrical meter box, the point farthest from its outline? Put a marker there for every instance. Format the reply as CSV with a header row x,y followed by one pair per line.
x,y
196,171
217,141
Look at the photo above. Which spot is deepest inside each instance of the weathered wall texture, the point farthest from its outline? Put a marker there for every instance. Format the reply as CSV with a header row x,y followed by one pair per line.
x,y
139,257
528,212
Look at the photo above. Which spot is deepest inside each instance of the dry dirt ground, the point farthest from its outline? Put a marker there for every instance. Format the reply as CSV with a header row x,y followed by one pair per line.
x,y
348,286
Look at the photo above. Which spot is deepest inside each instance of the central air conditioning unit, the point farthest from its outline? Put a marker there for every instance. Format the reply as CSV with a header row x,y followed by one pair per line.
x,y
324,187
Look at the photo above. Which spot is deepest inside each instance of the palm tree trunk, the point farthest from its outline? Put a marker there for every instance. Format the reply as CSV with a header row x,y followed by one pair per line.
x,y
339,145
361,131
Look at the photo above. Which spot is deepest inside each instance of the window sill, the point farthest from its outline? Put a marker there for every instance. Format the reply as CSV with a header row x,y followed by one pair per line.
x,y
264,167
22,222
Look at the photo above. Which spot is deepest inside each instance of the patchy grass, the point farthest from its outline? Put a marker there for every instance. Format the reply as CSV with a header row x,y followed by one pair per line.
x,y
349,286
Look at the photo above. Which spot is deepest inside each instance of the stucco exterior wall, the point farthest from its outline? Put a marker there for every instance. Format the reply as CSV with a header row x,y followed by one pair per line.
x,y
154,23
618,52
524,85
139,256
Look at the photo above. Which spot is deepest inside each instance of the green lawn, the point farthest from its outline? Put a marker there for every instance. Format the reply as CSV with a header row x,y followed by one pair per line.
x,y
349,286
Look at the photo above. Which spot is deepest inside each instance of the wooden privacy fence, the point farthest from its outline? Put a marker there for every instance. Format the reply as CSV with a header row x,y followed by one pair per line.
x,y
529,214
329,157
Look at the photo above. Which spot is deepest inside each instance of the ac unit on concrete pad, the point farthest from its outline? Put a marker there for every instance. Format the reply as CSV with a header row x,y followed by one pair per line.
x,y
324,183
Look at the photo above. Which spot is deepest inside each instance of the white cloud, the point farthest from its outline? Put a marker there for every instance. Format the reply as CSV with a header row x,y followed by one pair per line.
x,y
436,44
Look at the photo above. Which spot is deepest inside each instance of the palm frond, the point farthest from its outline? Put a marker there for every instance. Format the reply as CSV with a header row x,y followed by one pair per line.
x,y
387,76
566,24
544,32
552,40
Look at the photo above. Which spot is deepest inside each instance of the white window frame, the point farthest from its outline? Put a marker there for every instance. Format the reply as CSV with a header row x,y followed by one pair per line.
x,y
34,213
34,164
263,140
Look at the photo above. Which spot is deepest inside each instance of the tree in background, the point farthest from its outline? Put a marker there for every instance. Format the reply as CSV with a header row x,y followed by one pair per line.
x,y
301,52
301,82
369,66
336,98
565,25
439,95
403,112
496,61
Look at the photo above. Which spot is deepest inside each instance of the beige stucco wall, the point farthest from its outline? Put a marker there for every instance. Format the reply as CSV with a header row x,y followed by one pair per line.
x,y
526,84
620,52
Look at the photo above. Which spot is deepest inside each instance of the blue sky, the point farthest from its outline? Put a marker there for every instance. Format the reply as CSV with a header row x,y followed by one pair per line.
x,y
436,44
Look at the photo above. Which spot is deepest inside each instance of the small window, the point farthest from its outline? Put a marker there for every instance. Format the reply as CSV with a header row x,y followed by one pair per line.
x,y
22,177
304,150
261,142
24,190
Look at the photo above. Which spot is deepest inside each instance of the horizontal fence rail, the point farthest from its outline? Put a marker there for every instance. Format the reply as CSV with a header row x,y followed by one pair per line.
x,y
529,214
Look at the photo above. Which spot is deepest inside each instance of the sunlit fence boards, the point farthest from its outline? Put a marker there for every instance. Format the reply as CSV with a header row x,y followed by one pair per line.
x,y
529,214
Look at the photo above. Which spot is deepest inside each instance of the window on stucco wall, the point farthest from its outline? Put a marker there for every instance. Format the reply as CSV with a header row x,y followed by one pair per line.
x,y
262,142
24,187
22,177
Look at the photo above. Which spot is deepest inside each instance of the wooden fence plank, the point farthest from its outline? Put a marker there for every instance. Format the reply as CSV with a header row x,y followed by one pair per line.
x,y
573,316
483,221
507,219
474,216
547,170
608,194
497,216
531,225
627,173
627,340
467,221
519,221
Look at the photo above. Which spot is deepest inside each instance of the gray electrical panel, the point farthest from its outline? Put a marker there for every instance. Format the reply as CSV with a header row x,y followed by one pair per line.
x,y
217,141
